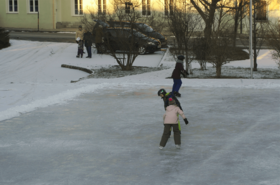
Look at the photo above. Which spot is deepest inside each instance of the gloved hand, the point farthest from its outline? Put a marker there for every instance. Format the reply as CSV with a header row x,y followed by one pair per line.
x,y
186,121
183,74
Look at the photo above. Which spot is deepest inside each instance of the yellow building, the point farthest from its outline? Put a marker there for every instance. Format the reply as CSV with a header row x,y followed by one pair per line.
x,y
58,14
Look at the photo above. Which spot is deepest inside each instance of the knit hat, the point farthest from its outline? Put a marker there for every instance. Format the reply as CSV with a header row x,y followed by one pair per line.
x,y
172,102
181,57
161,91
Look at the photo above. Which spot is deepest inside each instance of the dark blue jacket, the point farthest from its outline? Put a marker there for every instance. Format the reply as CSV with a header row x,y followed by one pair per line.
x,y
166,100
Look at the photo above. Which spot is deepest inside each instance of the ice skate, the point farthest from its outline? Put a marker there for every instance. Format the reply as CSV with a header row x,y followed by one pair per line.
x,y
177,94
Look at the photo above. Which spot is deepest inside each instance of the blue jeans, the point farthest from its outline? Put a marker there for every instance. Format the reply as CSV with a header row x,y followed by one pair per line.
x,y
88,51
176,86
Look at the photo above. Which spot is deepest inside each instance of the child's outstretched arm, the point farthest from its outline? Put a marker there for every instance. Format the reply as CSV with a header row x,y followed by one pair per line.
x,y
183,116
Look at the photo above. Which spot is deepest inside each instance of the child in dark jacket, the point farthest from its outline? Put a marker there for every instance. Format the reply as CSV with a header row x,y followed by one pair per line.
x,y
80,49
176,75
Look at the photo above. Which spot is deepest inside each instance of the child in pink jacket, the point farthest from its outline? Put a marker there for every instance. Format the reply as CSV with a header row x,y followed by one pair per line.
x,y
171,120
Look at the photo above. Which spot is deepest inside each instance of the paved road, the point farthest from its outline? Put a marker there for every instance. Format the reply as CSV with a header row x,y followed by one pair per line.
x,y
39,36
111,137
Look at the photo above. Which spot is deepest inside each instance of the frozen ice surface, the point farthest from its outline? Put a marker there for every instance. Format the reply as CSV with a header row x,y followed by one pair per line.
x,y
112,136
107,131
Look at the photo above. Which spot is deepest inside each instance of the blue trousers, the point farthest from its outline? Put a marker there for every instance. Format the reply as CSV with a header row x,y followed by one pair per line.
x,y
176,86
89,50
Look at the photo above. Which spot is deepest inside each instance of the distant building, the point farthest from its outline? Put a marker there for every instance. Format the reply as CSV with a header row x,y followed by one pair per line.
x,y
53,14
56,14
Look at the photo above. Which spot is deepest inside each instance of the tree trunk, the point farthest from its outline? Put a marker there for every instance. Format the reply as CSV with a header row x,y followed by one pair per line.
x,y
235,25
207,32
187,57
219,66
241,18
218,70
209,22
128,67
190,67
187,66
178,38
255,42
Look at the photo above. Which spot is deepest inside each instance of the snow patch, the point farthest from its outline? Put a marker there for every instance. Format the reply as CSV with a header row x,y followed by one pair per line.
x,y
55,99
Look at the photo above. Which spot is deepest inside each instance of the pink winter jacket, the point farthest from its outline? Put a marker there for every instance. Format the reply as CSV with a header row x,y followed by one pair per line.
x,y
171,114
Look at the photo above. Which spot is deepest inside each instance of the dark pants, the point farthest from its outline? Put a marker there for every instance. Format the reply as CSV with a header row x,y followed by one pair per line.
x,y
177,85
98,47
80,52
166,134
88,51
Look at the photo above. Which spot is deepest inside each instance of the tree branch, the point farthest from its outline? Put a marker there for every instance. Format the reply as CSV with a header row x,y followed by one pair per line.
x,y
203,3
202,14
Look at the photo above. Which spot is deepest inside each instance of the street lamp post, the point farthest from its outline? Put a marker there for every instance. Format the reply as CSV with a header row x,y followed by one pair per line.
x,y
250,40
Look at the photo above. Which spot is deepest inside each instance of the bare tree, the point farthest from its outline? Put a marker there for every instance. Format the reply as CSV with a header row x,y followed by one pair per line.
x,y
207,9
183,24
124,36
238,17
260,23
220,49
274,42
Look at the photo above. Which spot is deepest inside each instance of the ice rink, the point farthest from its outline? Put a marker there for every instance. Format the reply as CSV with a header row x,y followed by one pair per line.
x,y
111,136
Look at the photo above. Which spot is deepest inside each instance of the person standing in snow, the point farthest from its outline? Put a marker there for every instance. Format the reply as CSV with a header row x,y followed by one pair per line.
x,y
80,49
171,120
176,75
99,37
165,96
80,36
88,42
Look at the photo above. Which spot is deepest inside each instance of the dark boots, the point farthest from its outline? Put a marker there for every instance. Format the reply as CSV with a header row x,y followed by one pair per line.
x,y
177,94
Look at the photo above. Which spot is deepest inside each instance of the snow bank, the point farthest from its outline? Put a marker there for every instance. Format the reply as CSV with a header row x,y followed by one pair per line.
x,y
55,99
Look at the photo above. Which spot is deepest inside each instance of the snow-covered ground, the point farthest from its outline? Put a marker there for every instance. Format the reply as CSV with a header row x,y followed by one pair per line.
x,y
106,131
32,76
32,71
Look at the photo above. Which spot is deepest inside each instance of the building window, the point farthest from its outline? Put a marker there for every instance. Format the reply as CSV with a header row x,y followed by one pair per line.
x,y
127,7
33,5
78,4
168,7
13,5
146,7
101,6
261,11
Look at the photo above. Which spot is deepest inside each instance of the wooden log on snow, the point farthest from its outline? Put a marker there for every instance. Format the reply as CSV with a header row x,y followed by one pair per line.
x,y
76,67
